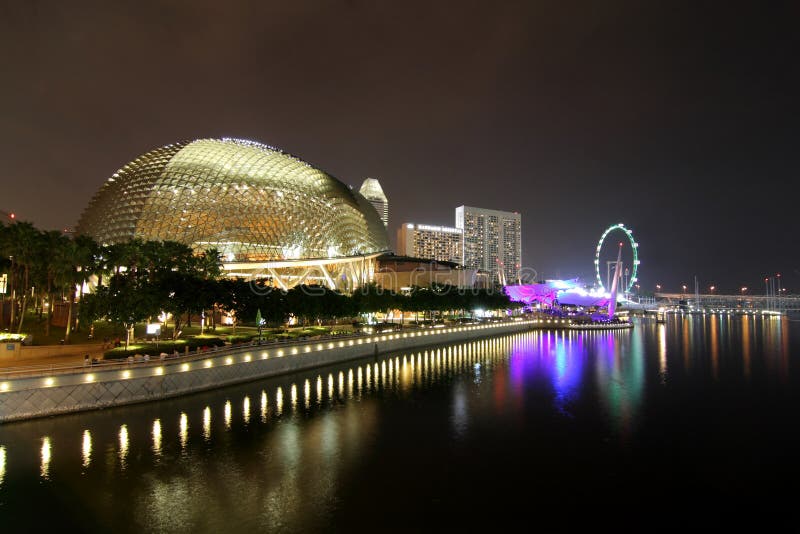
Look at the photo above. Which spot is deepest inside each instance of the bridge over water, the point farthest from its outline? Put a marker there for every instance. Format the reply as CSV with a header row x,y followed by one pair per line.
x,y
714,301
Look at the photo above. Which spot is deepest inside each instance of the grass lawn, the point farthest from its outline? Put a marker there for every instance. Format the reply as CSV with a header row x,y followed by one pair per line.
x,y
36,328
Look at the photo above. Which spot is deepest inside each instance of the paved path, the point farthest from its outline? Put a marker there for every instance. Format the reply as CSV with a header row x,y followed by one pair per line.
x,y
58,360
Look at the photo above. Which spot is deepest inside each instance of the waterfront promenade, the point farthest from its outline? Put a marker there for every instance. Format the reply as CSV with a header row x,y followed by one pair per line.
x,y
38,391
40,359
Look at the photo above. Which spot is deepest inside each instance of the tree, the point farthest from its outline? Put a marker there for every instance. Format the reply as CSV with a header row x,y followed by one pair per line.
x,y
23,246
78,260
55,243
371,298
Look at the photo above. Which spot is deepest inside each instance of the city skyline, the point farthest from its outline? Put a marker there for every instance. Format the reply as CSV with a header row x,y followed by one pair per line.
x,y
675,120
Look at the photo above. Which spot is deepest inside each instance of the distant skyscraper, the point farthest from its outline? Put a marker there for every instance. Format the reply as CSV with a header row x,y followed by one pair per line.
x,y
492,241
440,243
372,191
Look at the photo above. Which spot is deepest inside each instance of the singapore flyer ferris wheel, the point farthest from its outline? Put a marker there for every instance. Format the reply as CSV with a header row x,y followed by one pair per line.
x,y
630,258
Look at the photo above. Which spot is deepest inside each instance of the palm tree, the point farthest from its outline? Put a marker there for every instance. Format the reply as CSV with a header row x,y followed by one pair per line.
x,y
24,247
54,241
208,266
78,259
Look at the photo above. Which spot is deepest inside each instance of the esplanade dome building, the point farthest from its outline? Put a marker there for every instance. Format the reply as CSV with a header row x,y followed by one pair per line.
x,y
270,214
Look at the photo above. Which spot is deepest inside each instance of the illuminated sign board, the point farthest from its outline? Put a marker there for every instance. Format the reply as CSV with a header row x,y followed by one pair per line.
x,y
444,229
154,329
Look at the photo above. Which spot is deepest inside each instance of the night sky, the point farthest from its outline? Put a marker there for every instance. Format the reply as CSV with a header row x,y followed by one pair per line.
x,y
679,119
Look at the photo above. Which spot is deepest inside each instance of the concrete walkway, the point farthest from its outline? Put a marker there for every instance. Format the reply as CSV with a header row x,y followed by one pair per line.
x,y
74,358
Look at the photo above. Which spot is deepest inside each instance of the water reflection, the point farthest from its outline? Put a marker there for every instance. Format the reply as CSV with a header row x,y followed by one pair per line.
x,y
228,414
207,423
662,352
714,341
746,345
784,351
86,448
686,329
183,427
567,372
460,407
157,437
123,446
2,464
350,383
279,401
44,470
463,393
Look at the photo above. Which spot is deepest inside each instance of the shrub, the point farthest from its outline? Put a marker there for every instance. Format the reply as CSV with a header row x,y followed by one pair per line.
x,y
164,346
241,338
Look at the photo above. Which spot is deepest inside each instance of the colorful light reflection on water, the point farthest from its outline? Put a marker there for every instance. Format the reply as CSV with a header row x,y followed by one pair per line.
x,y
439,424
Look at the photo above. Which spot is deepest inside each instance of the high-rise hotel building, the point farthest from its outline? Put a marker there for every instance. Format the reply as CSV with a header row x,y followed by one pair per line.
x,y
492,241
371,190
440,243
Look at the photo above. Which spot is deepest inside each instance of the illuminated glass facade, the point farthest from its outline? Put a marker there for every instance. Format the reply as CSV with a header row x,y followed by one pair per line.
x,y
252,202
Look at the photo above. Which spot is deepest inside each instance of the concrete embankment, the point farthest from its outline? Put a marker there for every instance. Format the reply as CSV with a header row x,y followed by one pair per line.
x,y
38,394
